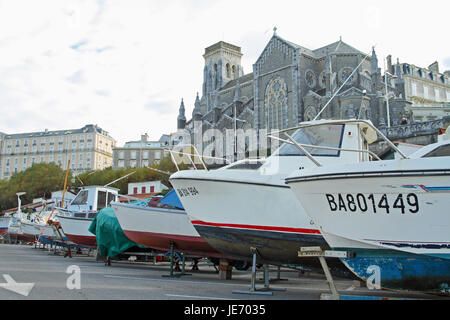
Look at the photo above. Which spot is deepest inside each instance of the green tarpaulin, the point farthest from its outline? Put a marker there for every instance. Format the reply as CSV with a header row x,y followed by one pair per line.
x,y
111,240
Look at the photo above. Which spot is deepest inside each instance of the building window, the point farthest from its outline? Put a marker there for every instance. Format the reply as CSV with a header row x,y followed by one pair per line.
x,y
158,155
413,89
135,190
152,189
121,155
143,190
133,155
276,104
145,154
437,95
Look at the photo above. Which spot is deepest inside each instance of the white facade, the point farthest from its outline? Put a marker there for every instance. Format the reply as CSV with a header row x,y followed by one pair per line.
x,y
146,187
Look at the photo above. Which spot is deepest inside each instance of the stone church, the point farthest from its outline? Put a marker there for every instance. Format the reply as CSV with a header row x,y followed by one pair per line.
x,y
290,84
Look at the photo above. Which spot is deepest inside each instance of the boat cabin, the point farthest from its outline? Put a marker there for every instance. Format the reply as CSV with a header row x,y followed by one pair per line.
x,y
92,199
319,142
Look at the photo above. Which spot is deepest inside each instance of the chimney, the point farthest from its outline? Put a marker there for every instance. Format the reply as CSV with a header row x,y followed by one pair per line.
x,y
434,67
144,137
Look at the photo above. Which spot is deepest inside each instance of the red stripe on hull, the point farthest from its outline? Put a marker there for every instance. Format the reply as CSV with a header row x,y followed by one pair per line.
x,y
251,227
185,244
85,241
24,237
3,231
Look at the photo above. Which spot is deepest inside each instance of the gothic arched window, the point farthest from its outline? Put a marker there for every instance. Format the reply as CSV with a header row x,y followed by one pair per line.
x,y
276,104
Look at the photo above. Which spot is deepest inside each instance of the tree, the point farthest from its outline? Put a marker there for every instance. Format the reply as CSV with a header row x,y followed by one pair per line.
x,y
38,181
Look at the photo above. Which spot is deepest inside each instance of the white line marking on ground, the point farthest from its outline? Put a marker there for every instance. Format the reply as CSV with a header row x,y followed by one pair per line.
x,y
176,280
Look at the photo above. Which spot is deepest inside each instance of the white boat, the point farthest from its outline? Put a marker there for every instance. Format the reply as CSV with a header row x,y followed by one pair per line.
x,y
36,227
160,227
77,217
248,204
392,214
15,231
4,223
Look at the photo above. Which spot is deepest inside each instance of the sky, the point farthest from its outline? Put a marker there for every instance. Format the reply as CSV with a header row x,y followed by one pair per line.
x,y
125,65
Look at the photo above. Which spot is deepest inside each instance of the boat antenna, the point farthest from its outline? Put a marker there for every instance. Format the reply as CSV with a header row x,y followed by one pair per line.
x,y
345,82
120,178
160,171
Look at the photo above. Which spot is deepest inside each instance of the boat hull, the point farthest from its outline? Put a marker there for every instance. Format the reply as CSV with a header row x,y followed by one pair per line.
x,y
16,233
77,231
399,270
159,228
35,231
4,223
394,219
234,217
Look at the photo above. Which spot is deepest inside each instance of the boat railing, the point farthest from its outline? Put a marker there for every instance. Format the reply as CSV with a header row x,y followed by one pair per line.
x,y
371,154
195,154
302,147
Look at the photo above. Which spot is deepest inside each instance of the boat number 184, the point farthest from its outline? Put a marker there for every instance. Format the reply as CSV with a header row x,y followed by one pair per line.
x,y
189,191
373,203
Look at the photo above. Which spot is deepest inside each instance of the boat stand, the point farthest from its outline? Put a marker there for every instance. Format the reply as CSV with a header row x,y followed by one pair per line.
x,y
172,263
266,290
278,278
309,252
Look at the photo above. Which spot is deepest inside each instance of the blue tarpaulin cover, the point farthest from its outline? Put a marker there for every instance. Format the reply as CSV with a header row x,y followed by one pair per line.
x,y
171,199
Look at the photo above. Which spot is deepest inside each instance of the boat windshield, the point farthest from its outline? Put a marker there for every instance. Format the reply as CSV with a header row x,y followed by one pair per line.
x,y
81,198
247,165
325,136
442,151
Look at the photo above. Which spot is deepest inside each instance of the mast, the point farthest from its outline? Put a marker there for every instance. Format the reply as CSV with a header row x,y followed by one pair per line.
x,y
65,183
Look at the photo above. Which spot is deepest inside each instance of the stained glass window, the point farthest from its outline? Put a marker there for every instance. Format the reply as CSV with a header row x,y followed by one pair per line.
x,y
276,104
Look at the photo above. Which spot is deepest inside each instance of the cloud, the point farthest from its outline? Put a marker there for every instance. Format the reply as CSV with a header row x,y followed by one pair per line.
x,y
77,77
79,44
125,65
447,63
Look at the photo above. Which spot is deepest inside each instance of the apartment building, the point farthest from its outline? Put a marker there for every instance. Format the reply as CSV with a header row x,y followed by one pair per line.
x,y
88,148
141,153
427,88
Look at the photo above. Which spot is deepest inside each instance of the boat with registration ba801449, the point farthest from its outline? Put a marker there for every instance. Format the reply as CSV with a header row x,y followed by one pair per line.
x,y
392,214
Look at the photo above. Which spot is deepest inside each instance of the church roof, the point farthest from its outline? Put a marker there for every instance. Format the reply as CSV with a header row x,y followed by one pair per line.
x,y
296,46
243,79
336,47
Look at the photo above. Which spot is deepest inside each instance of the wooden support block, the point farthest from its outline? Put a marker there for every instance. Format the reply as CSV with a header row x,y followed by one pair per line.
x,y
225,270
